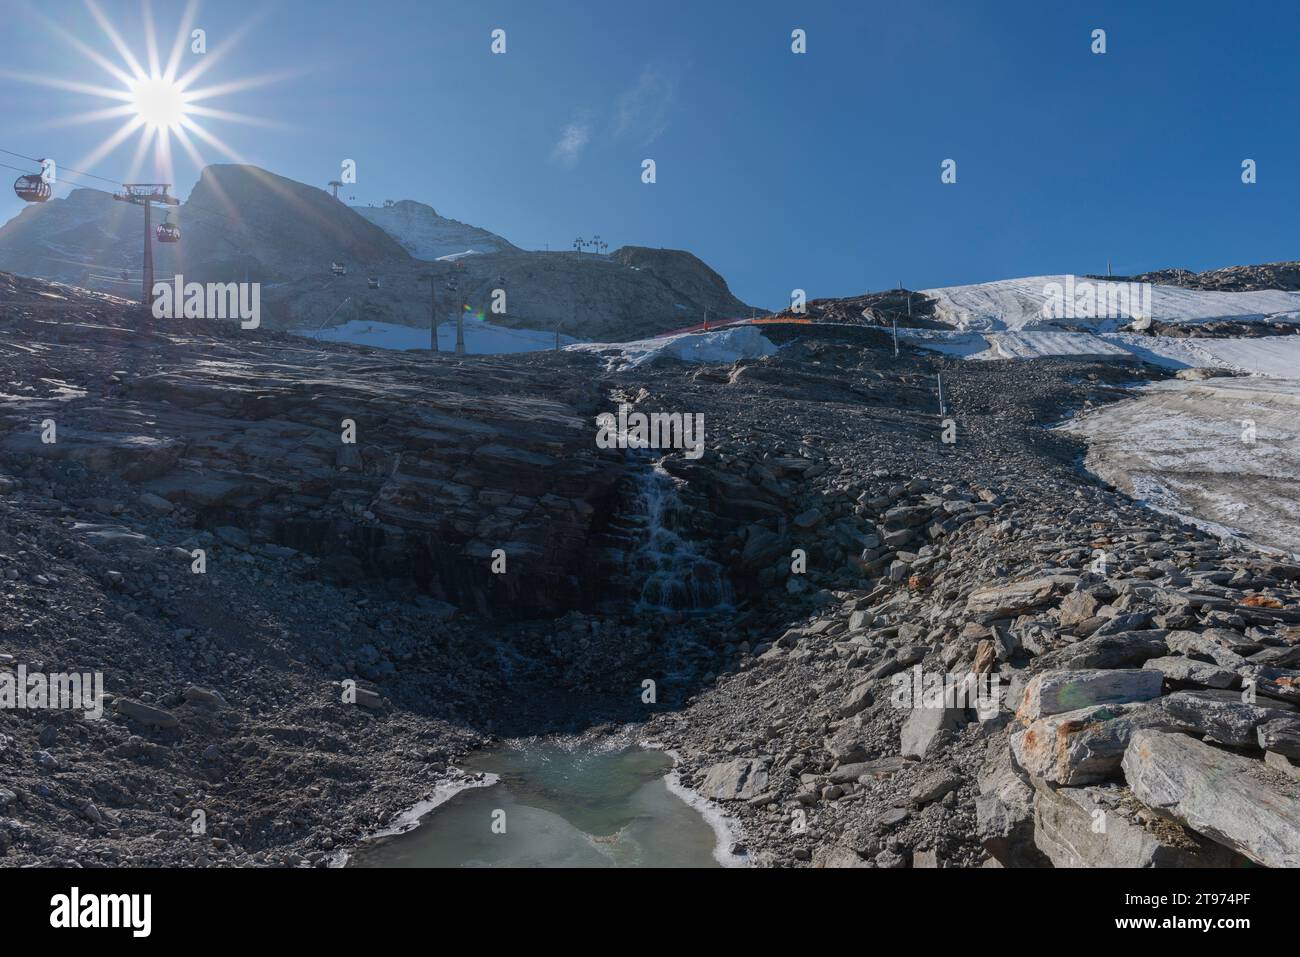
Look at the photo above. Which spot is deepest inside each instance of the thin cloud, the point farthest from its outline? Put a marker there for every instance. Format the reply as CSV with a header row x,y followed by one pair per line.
x,y
573,140
642,111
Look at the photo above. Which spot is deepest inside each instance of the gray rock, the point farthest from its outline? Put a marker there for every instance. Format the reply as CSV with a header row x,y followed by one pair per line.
x,y
1281,735
1217,720
924,725
736,780
1006,601
1127,650
1188,671
1216,793
205,696
156,503
1098,826
1084,746
145,713
1283,764
1077,608
1055,692
934,787
880,768
858,699
1135,621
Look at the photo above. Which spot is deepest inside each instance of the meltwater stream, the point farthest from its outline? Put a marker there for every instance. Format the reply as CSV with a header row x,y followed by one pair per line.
x,y
675,575
560,808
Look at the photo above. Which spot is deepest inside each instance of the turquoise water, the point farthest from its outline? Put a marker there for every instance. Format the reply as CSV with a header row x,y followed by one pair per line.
x,y
561,809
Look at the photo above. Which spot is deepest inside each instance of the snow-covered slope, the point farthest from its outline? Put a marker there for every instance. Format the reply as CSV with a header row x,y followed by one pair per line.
x,y
1035,303
1276,356
428,236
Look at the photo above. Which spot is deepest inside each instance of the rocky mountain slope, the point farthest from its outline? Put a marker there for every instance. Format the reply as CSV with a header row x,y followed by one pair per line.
x,y
239,222
1144,664
1285,275
243,223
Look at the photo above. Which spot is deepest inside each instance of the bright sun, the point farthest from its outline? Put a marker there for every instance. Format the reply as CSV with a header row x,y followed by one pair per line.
x,y
159,97
159,103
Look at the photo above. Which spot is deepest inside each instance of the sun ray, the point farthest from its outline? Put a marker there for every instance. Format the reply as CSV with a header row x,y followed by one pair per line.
x,y
151,40
92,116
116,38
152,101
230,117
213,57
107,65
237,86
212,141
111,143
182,35
71,86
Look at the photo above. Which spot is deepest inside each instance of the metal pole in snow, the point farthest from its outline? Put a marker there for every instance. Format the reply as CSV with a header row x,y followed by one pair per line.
x,y
942,408
433,314
895,318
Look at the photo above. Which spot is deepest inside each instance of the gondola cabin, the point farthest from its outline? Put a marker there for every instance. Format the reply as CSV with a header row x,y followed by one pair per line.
x,y
339,269
373,282
168,233
33,188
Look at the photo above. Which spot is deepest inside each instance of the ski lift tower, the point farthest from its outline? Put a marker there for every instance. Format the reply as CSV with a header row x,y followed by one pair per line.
x,y
147,195
335,184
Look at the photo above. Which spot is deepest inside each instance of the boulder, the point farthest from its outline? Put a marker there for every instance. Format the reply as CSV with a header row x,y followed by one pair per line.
x,y
1056,692
1215,719
736,780
923,727
145,713
1006,601
1083,746
1101,826
1180,671
1216,793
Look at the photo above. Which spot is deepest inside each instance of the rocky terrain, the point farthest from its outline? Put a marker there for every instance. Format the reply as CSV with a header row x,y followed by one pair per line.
x,y
1228,279
1148,670
242,223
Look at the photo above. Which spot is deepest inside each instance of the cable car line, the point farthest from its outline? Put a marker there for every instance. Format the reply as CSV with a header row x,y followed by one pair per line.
x,y
79,172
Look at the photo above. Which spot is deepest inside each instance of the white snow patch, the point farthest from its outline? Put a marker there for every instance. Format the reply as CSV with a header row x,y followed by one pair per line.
x,y
725,345
1017,304
1274,356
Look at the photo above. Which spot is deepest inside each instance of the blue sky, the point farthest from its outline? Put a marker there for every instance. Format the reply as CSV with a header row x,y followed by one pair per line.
x,y
819,171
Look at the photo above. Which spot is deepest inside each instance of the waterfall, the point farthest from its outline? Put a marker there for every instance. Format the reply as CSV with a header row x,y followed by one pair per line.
x,y
675,575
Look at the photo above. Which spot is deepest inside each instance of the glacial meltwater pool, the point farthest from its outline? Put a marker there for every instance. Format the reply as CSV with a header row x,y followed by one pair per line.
x,y
562,808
